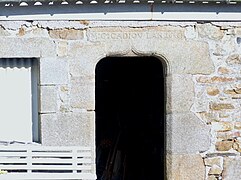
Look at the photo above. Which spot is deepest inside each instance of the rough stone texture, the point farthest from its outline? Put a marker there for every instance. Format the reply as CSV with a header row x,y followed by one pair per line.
x,y
159,41
54,71
181,93
215,79
222,126
221,106
209,31
68,34
215,160
62,48
82,93
234,59
237,125
212,177
68,129
233,91
27,47
202,62
215,170
225,145
48,101
3,32
232,168
223,70
84,57
212,91
187,134
185,167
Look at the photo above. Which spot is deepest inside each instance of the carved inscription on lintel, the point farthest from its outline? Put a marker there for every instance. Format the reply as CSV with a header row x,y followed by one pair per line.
x,y
135,35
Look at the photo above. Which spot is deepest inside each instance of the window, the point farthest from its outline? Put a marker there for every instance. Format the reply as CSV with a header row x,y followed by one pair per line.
x,y
19,99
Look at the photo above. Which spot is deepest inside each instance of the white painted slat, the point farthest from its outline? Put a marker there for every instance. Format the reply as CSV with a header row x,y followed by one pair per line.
x,y
13,154
48,160
44,148
14,167
12,160
57,154
39,176
45,167
51,154
58,160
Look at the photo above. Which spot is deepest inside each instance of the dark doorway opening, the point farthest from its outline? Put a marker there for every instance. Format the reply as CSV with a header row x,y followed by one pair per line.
x,y
130,119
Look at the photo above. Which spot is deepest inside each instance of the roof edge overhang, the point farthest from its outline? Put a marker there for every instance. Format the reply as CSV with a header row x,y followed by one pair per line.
x,y
107,10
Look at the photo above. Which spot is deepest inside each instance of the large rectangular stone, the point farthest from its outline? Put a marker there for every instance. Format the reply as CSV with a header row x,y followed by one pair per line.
x,y
231,168
27,47
180,93
82,93
186,133
185,167
54,71
68,129
48,99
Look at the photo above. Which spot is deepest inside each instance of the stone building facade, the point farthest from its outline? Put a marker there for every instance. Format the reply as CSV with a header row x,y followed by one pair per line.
x,y
202,82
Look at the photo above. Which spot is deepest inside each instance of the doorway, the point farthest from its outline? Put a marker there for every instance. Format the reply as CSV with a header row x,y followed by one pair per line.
x,y
130,119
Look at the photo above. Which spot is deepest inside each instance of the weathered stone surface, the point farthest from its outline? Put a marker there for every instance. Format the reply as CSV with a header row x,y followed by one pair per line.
x,y
200,104
222,126
209,117
215,79
212,177
190,32
234,59
185,167
233,91
84,57
48,99
68,129
187,134
54,71
60,24
228,135
213,161
232,168
224,145
157,41
180,93
195,60
215,170
82,93
27,47
212,91
221,106
223,70
237,125
3,32
62,48
133,34
68,34
21,31
210,31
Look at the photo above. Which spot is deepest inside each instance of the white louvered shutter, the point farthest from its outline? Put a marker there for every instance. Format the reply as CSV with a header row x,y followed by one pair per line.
x,y
15,100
